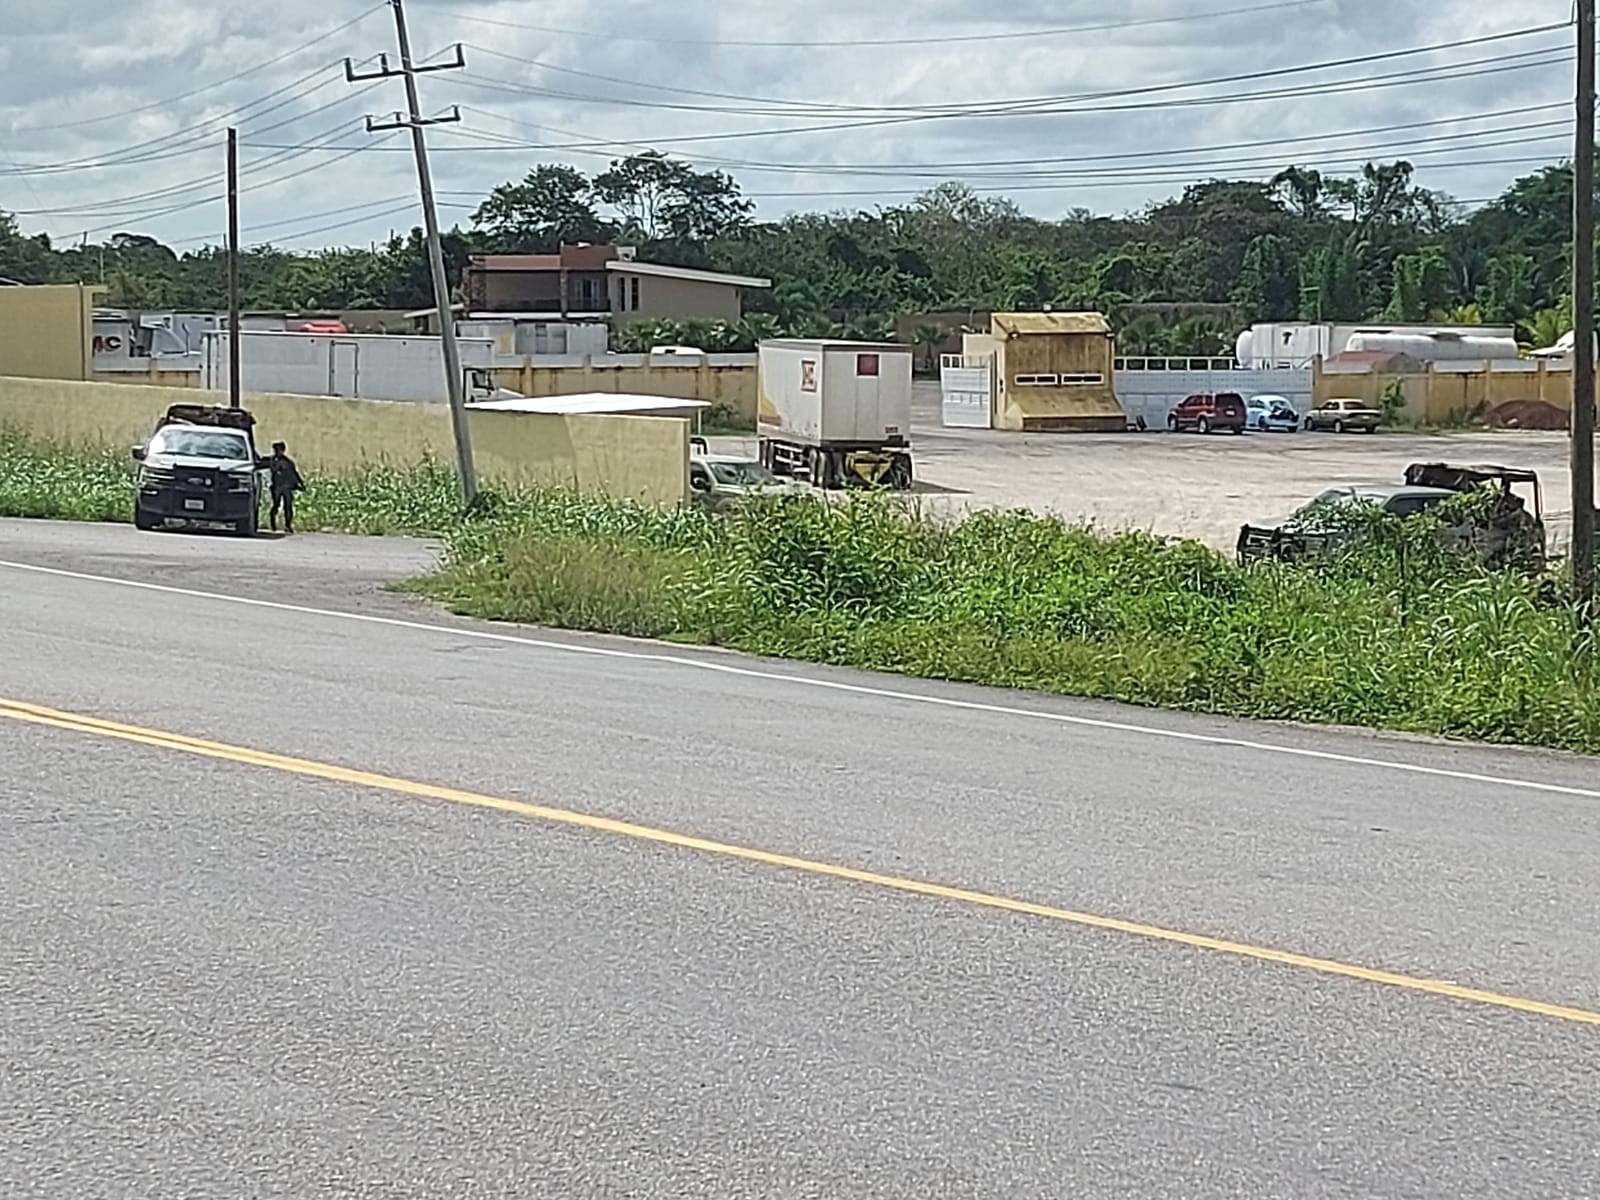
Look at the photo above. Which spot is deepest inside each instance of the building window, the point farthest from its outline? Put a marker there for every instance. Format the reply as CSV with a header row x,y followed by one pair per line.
x,y
635,293
622,295
1082,380
1036,380
586,290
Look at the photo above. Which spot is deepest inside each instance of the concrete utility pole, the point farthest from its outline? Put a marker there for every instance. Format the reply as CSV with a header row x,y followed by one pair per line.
x,y
234,387
1583,415
414,121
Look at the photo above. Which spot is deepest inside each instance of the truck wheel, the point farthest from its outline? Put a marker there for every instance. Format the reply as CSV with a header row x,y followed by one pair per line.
x,y
141,519
827,471
248,527
1203,425
900,473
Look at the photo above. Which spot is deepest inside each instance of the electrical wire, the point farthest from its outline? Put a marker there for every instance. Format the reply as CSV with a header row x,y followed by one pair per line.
x,y
123,114
947,165
167,145
208,180
789,107
941,40
1497,65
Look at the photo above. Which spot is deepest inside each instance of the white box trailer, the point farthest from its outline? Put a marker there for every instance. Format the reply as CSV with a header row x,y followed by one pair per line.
x,y
370,366
836,411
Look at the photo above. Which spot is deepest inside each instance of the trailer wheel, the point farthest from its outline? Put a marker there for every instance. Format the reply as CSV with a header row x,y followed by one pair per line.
x,y
900,473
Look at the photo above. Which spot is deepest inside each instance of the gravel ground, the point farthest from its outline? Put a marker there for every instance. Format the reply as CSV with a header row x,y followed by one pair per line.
x,y
1185,484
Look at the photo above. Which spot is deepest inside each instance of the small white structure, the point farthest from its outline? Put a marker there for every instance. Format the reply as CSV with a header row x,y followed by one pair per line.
x,y
597,403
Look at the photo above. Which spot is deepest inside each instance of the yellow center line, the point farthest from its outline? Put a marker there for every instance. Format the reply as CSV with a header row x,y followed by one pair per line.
x,y
37,715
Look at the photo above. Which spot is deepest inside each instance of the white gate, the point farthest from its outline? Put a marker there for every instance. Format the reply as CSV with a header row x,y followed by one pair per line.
x,y
966,388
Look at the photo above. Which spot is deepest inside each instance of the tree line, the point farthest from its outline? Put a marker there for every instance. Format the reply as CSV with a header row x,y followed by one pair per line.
x,y
1178,277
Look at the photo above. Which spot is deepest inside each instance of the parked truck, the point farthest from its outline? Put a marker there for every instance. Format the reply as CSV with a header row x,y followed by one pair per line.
x,y
838,412
371,366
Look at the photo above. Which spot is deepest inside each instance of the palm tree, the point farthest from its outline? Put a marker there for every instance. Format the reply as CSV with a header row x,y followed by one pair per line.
x,y
1143,337
1545,328
930,337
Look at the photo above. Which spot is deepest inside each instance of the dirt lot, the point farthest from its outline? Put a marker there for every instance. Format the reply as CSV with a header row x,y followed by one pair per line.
x,y
1186,484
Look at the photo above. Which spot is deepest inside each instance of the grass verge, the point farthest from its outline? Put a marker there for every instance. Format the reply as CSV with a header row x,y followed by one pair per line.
x,y
1397,633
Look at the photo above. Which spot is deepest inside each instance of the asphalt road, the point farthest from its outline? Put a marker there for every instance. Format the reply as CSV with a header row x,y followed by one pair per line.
x,y
230,977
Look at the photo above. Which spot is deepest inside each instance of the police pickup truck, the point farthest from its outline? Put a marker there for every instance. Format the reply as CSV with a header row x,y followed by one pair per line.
x,y
200,469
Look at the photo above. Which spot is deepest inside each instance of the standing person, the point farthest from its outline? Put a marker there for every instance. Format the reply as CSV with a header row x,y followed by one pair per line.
x,y
286,482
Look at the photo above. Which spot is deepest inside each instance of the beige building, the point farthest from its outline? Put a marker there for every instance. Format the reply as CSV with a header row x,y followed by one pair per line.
x,y
1052,372
47,332
602,283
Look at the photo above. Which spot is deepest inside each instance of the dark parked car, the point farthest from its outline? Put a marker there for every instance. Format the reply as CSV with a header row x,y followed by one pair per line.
x,y
200,468
1206,411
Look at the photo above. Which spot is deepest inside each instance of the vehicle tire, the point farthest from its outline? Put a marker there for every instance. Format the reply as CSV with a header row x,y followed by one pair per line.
x,y
1203,425
1262,425
900,473
248,527
1236,430
1370,429
1172,424
1309,426
141,519
1338,426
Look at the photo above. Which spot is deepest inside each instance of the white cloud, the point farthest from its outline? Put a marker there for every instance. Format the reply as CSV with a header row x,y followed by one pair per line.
x,y
95,102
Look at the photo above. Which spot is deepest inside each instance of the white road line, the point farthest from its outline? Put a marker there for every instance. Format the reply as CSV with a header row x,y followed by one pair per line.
x,y
857,689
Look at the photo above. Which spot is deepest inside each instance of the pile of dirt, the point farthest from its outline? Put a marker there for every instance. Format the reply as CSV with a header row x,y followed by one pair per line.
x,y
1525,414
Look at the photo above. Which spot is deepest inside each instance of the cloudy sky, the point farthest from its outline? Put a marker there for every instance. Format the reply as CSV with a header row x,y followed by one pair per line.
x,y
112,116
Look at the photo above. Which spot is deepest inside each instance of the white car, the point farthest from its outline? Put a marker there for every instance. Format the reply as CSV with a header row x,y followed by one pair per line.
x,y
1269,412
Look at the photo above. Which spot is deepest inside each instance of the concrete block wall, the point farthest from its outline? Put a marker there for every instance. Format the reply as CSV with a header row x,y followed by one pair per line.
x,y
637,458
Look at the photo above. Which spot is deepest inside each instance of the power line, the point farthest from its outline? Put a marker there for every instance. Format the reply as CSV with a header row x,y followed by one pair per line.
x,y
1029,103
835,43
123,114
206,181
946,167
1451,72
165,146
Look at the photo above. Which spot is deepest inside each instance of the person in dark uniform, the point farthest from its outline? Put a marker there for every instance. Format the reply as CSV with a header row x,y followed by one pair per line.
x,y
286,482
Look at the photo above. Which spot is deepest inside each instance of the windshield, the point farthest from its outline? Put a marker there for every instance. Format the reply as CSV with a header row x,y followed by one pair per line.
x,y
200,443
743,474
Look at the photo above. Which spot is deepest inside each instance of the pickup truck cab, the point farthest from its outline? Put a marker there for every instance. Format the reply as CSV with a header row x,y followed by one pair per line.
x,y
200,468
718,482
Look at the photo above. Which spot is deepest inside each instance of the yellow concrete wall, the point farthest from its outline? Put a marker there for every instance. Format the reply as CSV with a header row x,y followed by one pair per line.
x,y
1437,397
635,458
47,332
642,458
151,376
734,388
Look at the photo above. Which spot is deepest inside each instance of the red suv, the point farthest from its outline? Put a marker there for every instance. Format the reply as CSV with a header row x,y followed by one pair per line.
x,y
1206,411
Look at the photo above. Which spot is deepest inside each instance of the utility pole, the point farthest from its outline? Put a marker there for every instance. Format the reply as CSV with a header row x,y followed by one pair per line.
x,y
415,121
234,387
1583,415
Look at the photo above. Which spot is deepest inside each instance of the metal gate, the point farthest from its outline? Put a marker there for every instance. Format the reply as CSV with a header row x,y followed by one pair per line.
x,y
966,387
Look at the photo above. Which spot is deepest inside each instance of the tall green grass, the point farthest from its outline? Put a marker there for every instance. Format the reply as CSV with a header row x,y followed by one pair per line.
x,y
49,482
1396,632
